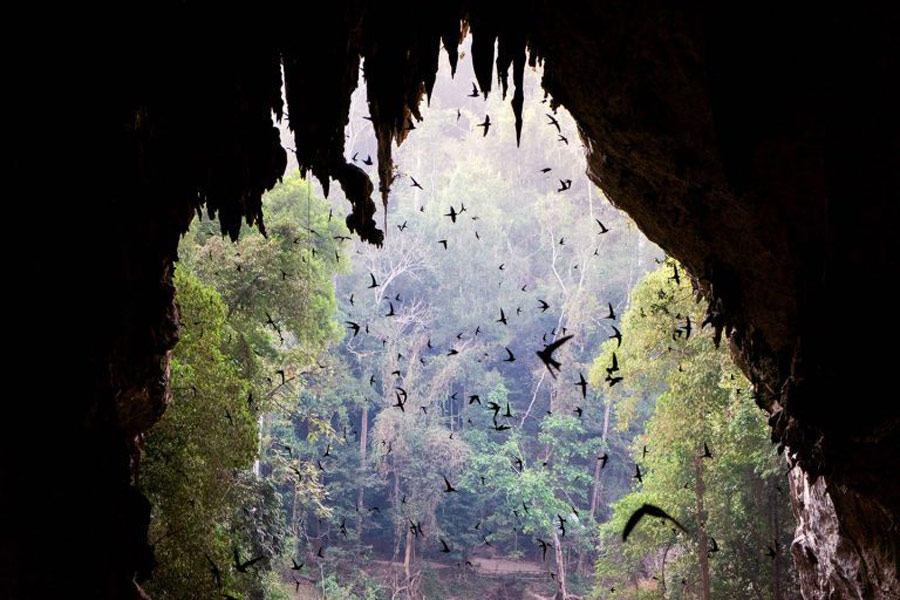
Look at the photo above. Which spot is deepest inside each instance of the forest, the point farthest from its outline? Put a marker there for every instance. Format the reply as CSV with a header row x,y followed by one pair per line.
x,y
476,409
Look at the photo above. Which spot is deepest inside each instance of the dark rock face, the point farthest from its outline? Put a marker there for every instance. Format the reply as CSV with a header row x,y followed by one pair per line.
x,y
840,549
759,148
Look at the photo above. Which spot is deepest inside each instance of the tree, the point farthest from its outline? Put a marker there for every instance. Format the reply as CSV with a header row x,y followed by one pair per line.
x,y
704,455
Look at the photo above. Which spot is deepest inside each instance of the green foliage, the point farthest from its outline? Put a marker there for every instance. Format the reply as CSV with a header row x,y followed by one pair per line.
x,y
701,398
196,470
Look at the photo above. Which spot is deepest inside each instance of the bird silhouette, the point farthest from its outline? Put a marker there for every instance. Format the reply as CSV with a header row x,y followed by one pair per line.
x,y
675,277
391,313
546,355
486,124
511,357
474,93
368,161
582,383
616,336
444,242
603,459
603,228
564,184
544,545
502,318
615,365
449,487
241,567
374,283
637,474
563,139
353,326
554,123
562,524
446,548
543,306
647,510
706,452
415,184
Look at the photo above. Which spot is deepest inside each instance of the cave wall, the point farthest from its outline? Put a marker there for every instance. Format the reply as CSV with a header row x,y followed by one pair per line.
x,y
758,145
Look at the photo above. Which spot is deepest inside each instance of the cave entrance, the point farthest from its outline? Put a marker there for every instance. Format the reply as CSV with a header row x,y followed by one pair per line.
x,y
352,420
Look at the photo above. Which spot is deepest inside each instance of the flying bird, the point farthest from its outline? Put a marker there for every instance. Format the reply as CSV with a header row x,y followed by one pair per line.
x,y
353,326
617,336
544,545
474,93
564,185
511,357
554,123
603,228
241,567
546,355
544,306
449,487
374,283
415,184
502,318
486,124
603,460
650,510
675,276
582,383
615,365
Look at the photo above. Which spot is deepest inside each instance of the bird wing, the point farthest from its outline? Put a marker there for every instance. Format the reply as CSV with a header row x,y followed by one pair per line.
x,y
552,347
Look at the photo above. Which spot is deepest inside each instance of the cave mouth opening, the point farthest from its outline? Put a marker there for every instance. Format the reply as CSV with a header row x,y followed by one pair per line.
x,y
323,388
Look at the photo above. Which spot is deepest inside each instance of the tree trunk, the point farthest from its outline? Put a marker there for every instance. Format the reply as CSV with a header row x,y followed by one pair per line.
x,y
595,494
363,444
407,558
395,501
560,567
702,538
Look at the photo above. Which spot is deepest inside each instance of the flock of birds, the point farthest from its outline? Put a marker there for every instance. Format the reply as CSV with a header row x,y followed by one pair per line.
x,y
545,355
